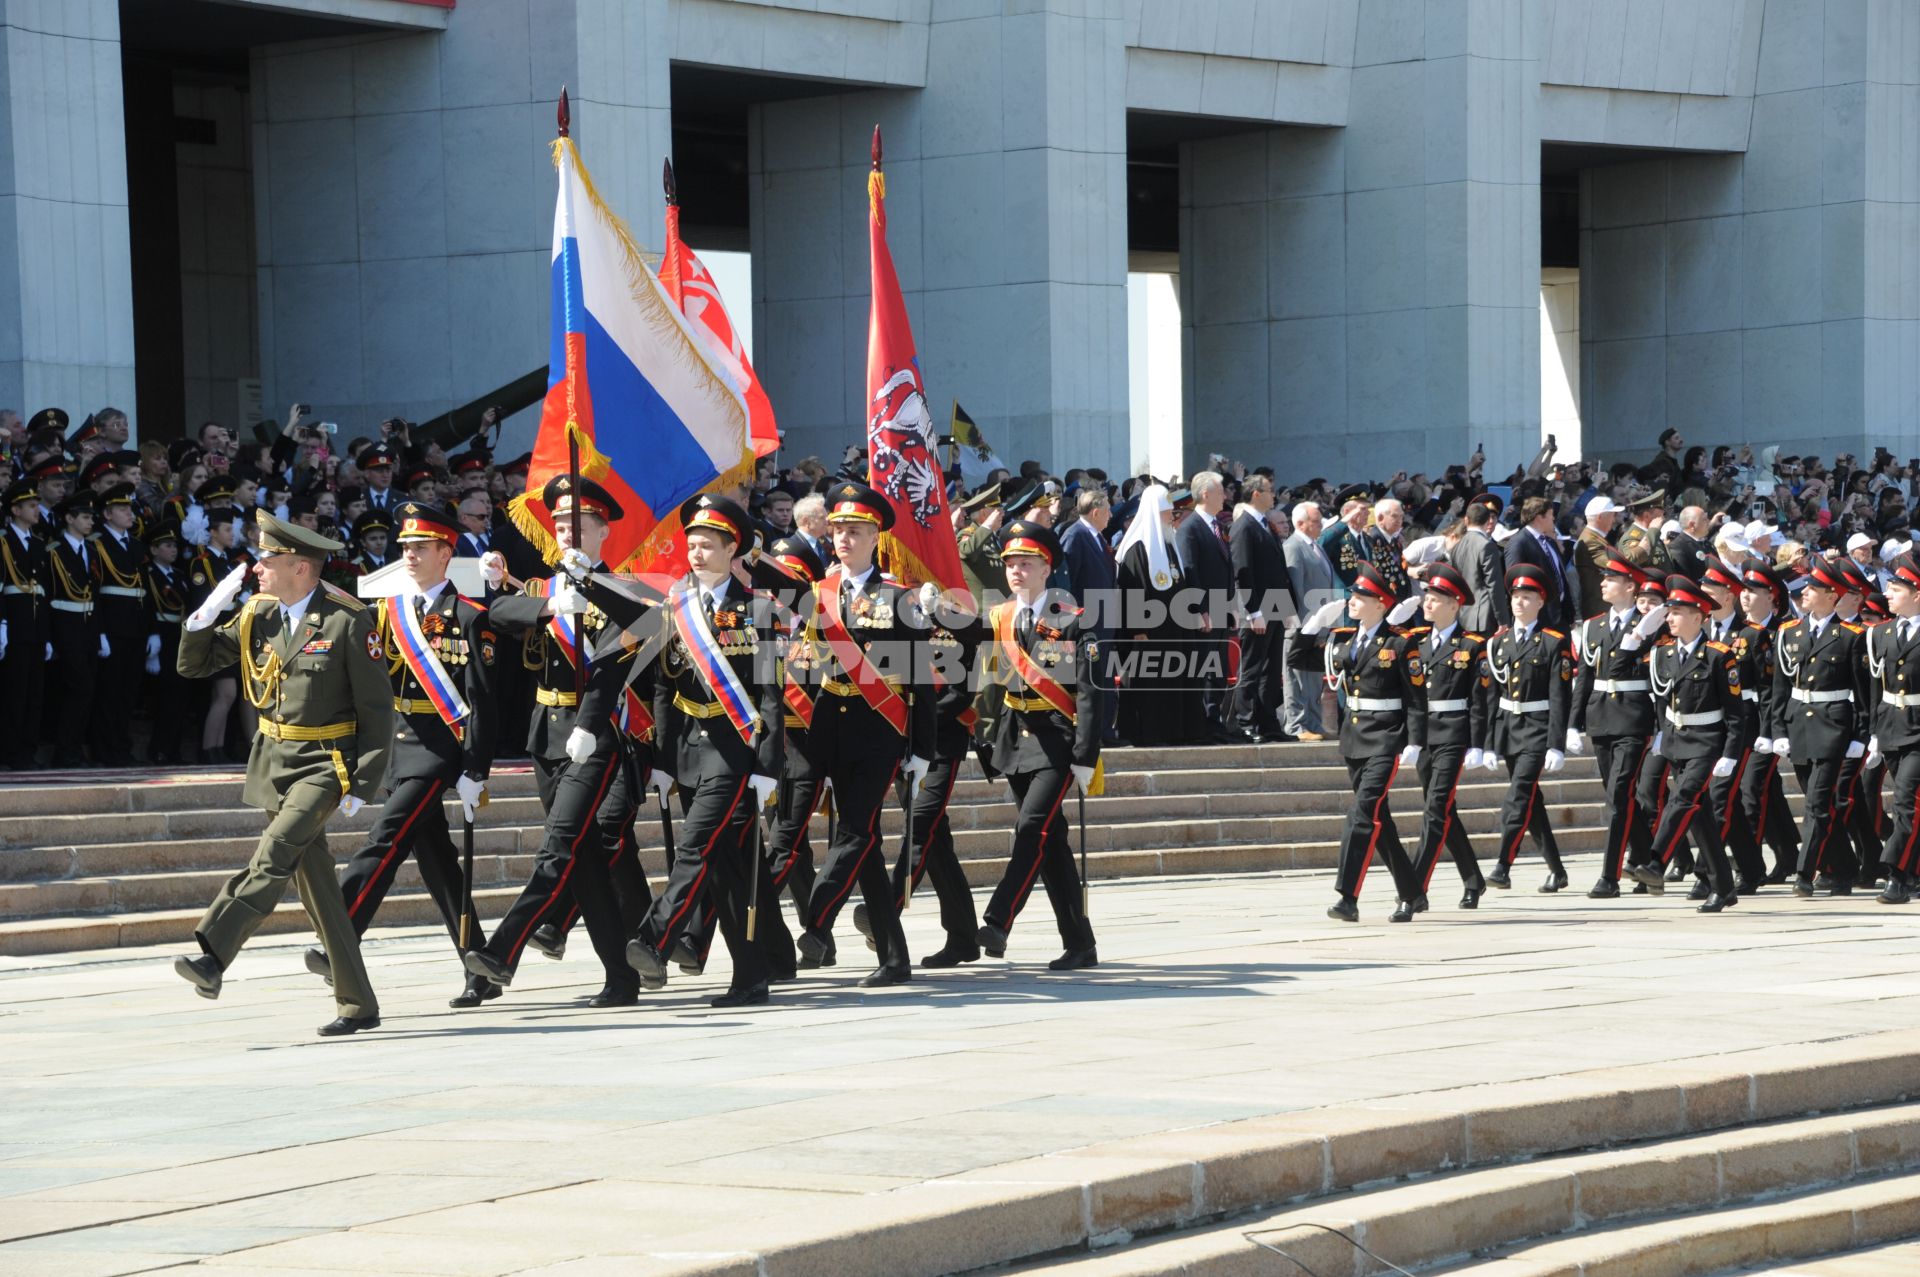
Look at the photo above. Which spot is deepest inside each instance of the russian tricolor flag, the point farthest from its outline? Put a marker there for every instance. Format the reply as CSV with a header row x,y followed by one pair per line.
x,y
657,419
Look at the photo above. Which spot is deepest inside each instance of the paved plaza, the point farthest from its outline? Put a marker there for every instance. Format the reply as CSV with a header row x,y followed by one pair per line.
x,y
143,1128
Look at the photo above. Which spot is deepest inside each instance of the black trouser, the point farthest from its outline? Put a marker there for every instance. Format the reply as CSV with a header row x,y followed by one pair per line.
x,y
1256,698
571,860
716,854
790,858
1041,848
1726,814
859,790
619,813
1439,771
413,822
76,658
1525,811
23,680
1901,852
173,719
1370,827
931,845
1824,836
1620,759
1863,816
1765,801
1688,779
116,687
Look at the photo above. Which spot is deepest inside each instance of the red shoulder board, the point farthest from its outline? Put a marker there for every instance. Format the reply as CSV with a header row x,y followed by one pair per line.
x,y
475,603
1552,633
1851,627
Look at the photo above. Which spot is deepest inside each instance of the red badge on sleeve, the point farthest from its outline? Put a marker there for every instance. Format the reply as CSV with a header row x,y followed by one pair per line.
x,y
374,649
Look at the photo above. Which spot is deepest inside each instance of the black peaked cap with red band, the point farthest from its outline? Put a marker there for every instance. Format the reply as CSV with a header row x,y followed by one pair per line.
x,y
793,557
1367,580
421,521
850,502
1023,536
1827,574
1713,571
1528,576
1446,579
1618,565
719,514
564,489
1906,569
1684,591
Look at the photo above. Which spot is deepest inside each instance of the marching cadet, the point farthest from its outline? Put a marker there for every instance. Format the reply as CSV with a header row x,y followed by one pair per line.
x,y
1763,600
1721,584
1377,672
78,644
370,533
1613,706
1529,673
119,609
1456,728
573,739
856,659
1893,665
23,622
1821,693
165,582
214,563
314,667
1859,801
1703,725
1650,787
441,650
803,782
719,731
1046,739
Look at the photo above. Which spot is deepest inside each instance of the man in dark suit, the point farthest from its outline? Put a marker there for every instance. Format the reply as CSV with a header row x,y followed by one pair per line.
x,y
1202,542
476,523
1479,559
1537,545
1090,575
1265,593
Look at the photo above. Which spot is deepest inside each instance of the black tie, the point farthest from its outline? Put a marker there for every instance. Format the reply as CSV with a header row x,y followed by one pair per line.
x,y
1024,627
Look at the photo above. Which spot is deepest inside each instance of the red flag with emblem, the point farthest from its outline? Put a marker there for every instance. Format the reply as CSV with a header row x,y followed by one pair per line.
x,y
901,459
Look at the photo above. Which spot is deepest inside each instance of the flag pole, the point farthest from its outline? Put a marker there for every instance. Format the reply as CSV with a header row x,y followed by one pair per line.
x,y
563,117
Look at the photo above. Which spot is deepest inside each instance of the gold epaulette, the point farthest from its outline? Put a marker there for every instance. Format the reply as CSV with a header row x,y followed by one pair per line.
x,y
1552,633
1789,623
341,597
1851,627
1718,646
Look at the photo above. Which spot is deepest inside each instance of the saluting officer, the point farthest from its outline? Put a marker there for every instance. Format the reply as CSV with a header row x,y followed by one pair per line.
x,y
314,667
1451,656
1763,600
870,723
441,650
1045,738
1893,664
23,623
1821,692
1703,724
78,644
1529,674
1377,672
573,739
165,581
119,609
718,725
1613,705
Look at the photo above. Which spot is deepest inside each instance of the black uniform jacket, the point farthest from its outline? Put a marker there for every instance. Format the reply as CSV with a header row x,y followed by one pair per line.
x,y
555,709
1029,734
1453,678
1385,690
692,732
1702,714
1893,666
845,725
1611,692
1829,673
461,634
1534,677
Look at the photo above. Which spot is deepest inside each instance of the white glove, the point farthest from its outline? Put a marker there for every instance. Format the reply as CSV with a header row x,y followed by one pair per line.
x,y
762,787
469,790
106,648
350,806
929,595
576,564
1082,776
1782,746
1723,768
1874,756
1473,758
1490,761
194,527
1657,738
1555,761
1574,747
1409,755
153,665
493,568
1650,623
3,640
916,771
661,781
209,612
580,745
1763,745
49,655
567,600
1326,614
153,646
1855,749
1403,609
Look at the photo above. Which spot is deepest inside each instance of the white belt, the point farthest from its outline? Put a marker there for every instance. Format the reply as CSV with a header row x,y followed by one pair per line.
x,y
1622,685
64,605
1813,698
1749,695
120,591
1902,700
1525,707
171,618
1366,705
1705,719
14,589
1446,707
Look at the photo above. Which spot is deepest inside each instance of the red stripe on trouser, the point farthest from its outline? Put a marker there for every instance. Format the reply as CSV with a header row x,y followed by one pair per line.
x,y
1733,798
1026,888
1680,825
393,848
793,851
1905,861
913,872
693,891
1511,852
1766,797
1446,827
560,885
1617,855
873,840
1366,861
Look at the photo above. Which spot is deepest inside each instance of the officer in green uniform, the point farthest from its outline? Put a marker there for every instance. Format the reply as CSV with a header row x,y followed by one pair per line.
x,y
979,540
313,666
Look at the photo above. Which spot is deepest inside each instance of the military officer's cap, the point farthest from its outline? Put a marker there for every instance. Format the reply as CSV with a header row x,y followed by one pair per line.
x,y
1856,576
379,455
1906,569
371,521
183,454
1023,499
1618,565
1492,501
277,536
1657,497
1873,607
987,496
306,502
1444,578
1654,587
719,514
218,490
89,429
1181,498
1713,571
519,465
102,465
81,502
221,514
21,491
1023,536
125,457
1528,576
118,494
850,502
1825,574
413,476
50,466
1353,491
1367,580
56,417
472,461
419,521
1758,576
563,491
794,557
166,533
1684,591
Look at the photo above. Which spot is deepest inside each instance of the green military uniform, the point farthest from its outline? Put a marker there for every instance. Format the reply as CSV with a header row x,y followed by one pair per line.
x,y
980,563
326,720
1642,546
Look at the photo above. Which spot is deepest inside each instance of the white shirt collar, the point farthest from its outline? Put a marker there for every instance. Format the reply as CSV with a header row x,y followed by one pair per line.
x,y
858,582
1628,615
432,593
74,541
297,611
1442,635
714,593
